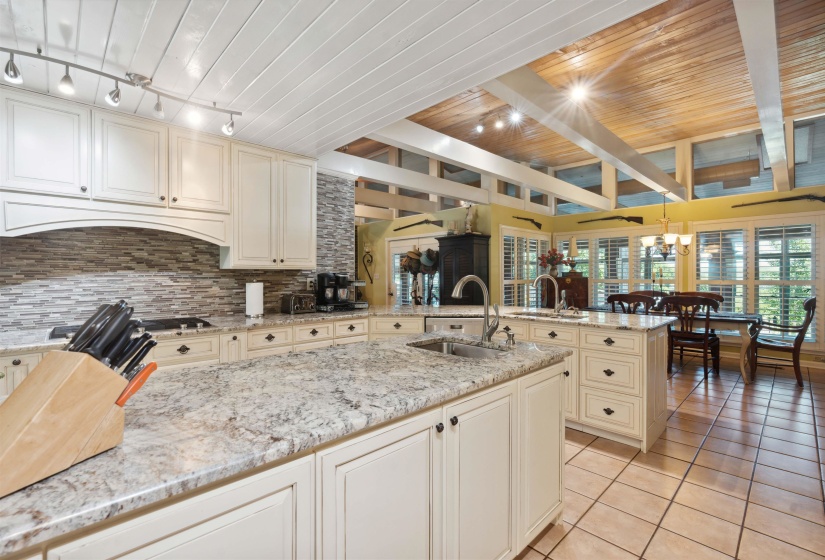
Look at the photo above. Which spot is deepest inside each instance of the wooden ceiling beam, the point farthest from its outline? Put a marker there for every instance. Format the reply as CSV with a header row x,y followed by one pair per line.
x,y
421,140
362,211
757,25
531,94
394,201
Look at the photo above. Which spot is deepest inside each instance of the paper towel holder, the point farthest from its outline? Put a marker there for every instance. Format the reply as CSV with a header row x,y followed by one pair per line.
x,y
254,301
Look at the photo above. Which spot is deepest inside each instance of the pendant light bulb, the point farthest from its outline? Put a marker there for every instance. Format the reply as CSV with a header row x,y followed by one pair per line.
x,y
158,109
12,73
66,84
515,117
113,97
229,127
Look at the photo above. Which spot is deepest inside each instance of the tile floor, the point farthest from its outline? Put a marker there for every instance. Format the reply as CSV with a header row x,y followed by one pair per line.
x,y
738,473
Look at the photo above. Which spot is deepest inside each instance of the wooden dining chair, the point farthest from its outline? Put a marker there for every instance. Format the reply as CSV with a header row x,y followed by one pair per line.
x,y
794,348
650,293
692,330
710,295
630,303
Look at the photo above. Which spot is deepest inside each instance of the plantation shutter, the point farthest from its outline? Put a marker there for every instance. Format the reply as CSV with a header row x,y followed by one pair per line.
x,y
721,266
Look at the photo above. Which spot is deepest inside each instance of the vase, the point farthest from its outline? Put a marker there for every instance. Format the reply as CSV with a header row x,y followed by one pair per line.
x,y
554,271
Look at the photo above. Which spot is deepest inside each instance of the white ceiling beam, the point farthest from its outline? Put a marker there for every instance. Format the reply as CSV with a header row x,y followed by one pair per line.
x,y
422,140
389,175
532,95
362,211
394,201
757,26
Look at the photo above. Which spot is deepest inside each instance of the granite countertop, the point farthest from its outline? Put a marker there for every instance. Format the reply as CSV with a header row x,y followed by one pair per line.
x,y
34,340
189,427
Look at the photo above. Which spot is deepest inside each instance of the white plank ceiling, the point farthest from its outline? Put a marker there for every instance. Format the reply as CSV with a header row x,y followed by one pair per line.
x,y
309,75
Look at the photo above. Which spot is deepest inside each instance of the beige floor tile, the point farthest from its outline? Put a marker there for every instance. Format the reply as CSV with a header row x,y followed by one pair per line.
x,y
674,449
530,554
738,436
719,481
617,527
575,505
789,435
756,546
788,463
706,399
792,425
787,528
712,502
754,428
792,415
613,449
669,546
731,448
545,542
598,463
788,448
788,502
643,505
649,481
688,425
584,482
578,438
662,464
701,407
580,545
729,414
795,405
681,436
702,528
570,451
785,480
725,463
693,416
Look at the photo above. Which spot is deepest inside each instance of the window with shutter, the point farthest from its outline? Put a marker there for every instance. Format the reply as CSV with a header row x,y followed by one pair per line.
x,y
721,266
611,267
520,255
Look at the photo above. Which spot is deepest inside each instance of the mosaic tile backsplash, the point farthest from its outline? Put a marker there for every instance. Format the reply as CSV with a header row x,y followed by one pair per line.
x,y
58,277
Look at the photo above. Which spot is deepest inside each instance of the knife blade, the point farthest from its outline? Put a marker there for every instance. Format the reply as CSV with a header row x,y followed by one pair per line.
x,y
130,349
138,357
119,343
109,332
136,383
95,327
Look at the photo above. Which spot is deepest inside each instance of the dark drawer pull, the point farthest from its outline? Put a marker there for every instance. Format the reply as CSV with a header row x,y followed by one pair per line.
x,y
16,362
439,427
351,328
269,337
567,374
397,325
184,349
313,332
609,411
552,334
609,341
454,420
234,338
609,372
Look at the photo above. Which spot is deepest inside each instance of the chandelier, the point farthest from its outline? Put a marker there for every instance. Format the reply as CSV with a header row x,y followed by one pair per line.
x,y
666,243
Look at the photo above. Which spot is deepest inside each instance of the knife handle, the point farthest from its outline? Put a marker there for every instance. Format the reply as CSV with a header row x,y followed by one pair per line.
x,y
108,333
139,357
136,383
119,343
130,349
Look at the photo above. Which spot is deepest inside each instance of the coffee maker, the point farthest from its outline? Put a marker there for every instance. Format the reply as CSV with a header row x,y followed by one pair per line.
x,y
325,291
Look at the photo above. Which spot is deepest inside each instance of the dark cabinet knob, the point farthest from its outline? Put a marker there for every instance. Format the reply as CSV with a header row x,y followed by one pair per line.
x,y
397,325
16,362
567,374
609,411
269,337
609,341
274,260
439,427
313,332
83,189
162,197
454,420
234,338
507,328
184,349
609,372
552,334
174,199
282,260
351,328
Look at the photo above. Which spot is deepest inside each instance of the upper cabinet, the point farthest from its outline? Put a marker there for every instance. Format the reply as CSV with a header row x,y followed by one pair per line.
x,y
130,160
199,177
296,220
44,145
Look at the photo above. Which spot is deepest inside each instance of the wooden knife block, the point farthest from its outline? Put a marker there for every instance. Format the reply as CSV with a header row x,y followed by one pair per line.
x,y
62,413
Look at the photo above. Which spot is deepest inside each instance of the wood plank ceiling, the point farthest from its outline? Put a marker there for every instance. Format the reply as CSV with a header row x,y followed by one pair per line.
x,y
309,75
675,71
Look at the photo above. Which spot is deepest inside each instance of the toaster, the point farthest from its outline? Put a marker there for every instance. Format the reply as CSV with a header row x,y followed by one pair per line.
x,y
298,303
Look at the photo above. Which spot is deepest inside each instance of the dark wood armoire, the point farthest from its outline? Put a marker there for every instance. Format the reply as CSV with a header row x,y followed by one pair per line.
x,y
575,287
460,255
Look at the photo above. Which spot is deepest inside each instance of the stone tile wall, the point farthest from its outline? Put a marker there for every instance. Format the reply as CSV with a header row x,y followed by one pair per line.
x,y
60,277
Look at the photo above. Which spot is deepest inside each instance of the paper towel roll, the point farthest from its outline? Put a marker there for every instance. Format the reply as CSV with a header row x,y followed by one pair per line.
x,y
255,299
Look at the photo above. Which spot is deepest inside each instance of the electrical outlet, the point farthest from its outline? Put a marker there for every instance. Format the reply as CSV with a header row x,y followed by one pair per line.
x,y
310,284
819,359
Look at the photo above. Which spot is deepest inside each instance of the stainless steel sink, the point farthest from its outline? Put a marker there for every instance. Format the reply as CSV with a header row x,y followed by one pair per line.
x,y
459,349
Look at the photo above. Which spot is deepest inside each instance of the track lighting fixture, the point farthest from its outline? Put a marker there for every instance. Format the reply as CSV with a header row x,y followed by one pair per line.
x,y
113,97
499,122
229,127
66,84
12,74
158,109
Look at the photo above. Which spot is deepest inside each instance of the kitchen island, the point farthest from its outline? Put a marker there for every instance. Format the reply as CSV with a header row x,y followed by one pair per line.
x,y
260,451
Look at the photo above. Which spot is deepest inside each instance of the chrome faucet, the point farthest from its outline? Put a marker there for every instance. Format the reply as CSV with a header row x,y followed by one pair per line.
x,y
560,303
490,328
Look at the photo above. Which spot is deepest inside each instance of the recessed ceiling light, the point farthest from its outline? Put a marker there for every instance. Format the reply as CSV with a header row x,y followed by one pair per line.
x,y
578,93
515,117
479,128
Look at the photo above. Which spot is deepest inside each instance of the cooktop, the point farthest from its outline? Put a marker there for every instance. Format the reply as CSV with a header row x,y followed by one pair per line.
x,y
68,331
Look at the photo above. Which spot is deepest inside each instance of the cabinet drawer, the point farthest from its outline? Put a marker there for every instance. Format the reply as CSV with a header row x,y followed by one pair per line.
x,y
351,339
397,325
612,372
267,338
354,327
522,330
273,351
616,413
615,341
317,331
313,345
186,350
565,336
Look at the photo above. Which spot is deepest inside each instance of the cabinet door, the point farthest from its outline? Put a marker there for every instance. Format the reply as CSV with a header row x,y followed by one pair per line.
x,y
571,386
296,216
13,369
255,204
541,422
379,495
130,160
233,347
481,476
45,145
198,172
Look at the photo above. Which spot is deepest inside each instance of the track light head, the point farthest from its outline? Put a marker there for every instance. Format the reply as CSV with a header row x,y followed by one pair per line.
x,y
66,84
12,73
113,97
499,122
229,127
158,109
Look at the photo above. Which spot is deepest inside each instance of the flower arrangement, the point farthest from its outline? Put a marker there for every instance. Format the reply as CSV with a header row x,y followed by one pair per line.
x,y
553,258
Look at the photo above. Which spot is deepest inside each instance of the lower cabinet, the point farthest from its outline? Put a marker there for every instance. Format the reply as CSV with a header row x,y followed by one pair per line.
x,y
233,347
571,385
13,369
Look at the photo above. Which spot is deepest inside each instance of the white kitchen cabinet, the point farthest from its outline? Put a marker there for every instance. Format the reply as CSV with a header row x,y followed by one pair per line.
x,y
13,369
199,176
130,160
351,340
268,515
233,347
184,351
571,385
481,476
387,327
44,145
379,495
297,214
541,423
